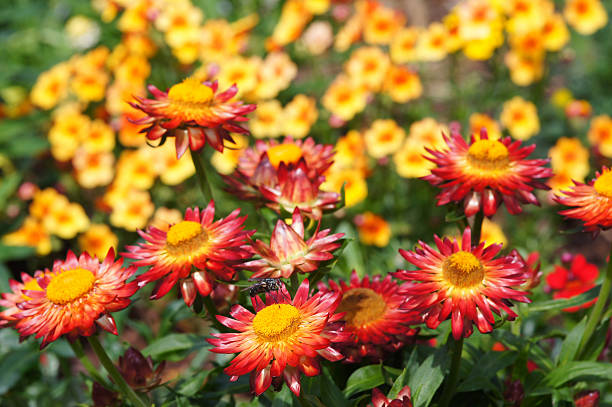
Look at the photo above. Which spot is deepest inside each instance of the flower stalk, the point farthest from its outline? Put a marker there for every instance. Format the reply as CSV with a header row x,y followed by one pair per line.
x,y
127,392
198,163
597,310
453,377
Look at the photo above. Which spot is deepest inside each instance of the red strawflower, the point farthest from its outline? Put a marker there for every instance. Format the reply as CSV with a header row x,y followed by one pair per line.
x,y
486,173
194,113
286,175
531,268
190,251
74,295
578,279
374,317
403,399
282,339
288,252
592,202
462,282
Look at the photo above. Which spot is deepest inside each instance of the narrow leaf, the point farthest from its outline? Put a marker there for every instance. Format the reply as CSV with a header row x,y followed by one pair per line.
x,y
571,343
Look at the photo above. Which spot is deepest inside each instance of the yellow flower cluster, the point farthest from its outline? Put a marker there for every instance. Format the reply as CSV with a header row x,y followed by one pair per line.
x,y
294,120
50,213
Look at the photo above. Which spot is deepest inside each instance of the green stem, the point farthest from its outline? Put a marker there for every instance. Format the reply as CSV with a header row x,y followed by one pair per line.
x,y
198,163
125,389
453,378
77,348
596,311
477,228
212,311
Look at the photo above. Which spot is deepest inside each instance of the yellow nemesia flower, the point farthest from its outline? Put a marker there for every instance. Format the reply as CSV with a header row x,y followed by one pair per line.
x,y
345,98
404,45
368,66
585,16
227,161
568,156
97,240
267,119
432,43
373,229
402,84
492,233
600,134
51,86
355,186
93,169
298,116
410,161
31,233
66,221
132,210
384,137
481,120
520,117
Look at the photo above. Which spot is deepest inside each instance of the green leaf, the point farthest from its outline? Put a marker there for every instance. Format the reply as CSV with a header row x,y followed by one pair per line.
x,y
14,364
173,346
518,343
556,305
426,379
485,369
584,371
331,395
15,252
193,384
283,398
8,186
364,378
402,379
570,345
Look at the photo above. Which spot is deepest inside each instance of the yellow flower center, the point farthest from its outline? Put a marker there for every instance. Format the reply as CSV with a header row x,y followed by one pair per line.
x,y
603,184
287,153
362,306
276,322
31,285
186,235
190,91
463,270
488,155
70,285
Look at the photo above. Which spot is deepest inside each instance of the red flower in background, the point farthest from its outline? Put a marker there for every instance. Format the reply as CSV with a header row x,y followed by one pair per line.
x,y
285,175
402,400
578,279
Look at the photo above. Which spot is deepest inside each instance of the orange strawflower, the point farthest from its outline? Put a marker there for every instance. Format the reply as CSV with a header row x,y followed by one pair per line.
x,y
485,173
194,113
374,317
462,282
282,339
74,295
192,252
591,203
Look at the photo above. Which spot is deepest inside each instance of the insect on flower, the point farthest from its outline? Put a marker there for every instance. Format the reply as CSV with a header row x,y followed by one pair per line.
x,y
264,286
